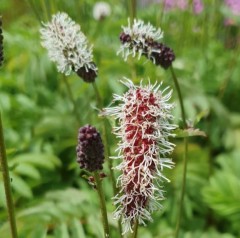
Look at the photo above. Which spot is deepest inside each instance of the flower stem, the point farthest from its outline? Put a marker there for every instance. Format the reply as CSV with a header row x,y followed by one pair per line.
x,y
35,10
99,99
7,186
44,8
105,139
107,150
102,204
179,96
133,9
184,156
70,95
183,188
135,229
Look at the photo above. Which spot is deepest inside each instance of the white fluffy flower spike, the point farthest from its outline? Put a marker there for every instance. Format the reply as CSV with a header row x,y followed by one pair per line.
x,y
144,117
67,46
139,38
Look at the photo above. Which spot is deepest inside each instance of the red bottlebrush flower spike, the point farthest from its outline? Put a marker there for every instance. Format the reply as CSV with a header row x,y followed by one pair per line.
x,y
90,150
144,117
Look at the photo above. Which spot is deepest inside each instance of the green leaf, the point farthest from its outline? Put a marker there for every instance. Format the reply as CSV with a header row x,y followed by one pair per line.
x,y
21,186
62,231
188,132
77,229
47,161
39,231
27,170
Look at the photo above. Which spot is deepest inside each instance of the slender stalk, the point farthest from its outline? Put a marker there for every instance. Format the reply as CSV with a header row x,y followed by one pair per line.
x,y
105,139
133,11
99,99
44,8
70,95
102,205
35,10
179,96
7,186
183,188
160,15
178,223
107,149
135,229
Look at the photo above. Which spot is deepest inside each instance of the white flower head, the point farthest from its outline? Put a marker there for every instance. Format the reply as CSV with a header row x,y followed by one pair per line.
x,y
138,38
101,10
67,46
144,117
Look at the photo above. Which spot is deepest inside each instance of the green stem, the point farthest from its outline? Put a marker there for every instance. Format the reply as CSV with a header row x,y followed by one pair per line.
x,y
70,95
7,186
102,205
183,187
135,229
99,99
179,96
133,9
44,9
35,10
105,139
107,150
184,156
160,16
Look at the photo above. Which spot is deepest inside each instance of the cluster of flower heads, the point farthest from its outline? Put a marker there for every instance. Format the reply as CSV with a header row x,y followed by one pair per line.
x,y
1,43
142,39
144,117
68,47
90,150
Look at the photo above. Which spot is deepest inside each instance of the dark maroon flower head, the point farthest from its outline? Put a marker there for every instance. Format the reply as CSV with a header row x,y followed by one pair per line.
x,y
88,75
1,43
124,37
164,57
90,150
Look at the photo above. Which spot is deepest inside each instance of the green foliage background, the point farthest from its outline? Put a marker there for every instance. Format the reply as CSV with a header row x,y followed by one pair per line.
x,y
52,198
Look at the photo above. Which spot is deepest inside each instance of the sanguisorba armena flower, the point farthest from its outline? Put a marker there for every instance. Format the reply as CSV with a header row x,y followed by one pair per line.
x,y
90,150
137,38
144,117
68,47
142,39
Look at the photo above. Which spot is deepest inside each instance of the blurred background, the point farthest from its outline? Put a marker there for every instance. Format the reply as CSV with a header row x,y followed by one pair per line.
x,y
52,198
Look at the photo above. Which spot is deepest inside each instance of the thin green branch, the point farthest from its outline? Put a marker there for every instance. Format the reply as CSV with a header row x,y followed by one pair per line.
x,y
133,9
183,189
35,10
107,149
6,181
70,95
178,223
102,205
135,229
179,96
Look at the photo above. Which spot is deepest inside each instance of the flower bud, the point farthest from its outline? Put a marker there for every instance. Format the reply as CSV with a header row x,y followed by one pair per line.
x,y
90,150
